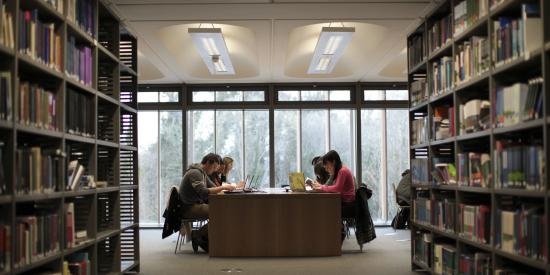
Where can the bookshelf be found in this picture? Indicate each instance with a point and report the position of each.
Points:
(68, 94)
(474, 121)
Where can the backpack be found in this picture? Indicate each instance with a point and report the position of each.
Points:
(401, 219)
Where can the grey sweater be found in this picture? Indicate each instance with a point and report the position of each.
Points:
(193, 186)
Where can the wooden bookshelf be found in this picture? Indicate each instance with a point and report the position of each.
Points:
(522, 68)
(110, 214)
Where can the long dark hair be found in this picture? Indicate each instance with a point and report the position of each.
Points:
(333, 156)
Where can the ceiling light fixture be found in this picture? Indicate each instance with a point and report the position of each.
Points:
(212, 49)
(329, 48)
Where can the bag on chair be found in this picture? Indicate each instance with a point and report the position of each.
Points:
(401, 219)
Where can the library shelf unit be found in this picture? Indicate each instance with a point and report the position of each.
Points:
(84, 109)
(533, 132)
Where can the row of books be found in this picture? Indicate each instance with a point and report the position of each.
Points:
(437, 213)
(39, 170)
(7, 37)
(474, 116)
(79, 116)
(522, 232)
(440, 33)
(419, 171)
(444, 173)
(518, 102)
(37, 106)
(419, 131)
(443, 122)
(36, 237)
(5, 247)
(442, 76)
(6, 96)
(474, 222)
(39, 39)
(79, 62)
(471, 59)
(474, 169)
(419, 91)
(82, 13)
(519, 166)
(478, 263)
(514, 36)
(417, 50)
(445, 259)
(466, 14)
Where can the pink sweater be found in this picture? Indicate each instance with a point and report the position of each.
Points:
(343, 185)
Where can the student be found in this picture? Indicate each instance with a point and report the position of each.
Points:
(227, 164)
(343, 184)
(321, 174)
(194, 192)
(216, 178)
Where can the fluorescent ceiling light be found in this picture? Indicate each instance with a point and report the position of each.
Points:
(212, 49)
(329, 48)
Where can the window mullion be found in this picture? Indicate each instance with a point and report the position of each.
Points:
(385, 167)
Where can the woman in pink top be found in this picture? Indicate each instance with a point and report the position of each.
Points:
(343, 183)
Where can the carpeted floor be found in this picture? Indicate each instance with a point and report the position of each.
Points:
(388, 254)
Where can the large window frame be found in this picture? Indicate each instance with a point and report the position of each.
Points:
(356, 103)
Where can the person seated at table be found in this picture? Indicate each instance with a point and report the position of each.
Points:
(343, 184)
(227, 164)
(216, 178)
(321, 174)
(194, 192)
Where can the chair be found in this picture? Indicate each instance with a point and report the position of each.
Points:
(401, 204)
(195, 223)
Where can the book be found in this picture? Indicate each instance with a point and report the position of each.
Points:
(445, 259)
(70, 235)
(37, 106)
(74, 176)
(418, 90)
(466, 14)
(442, 75)
(419, 171)
(478, 263)
(474, 116)
(6, 95)
(3, 181)
(423, 247)
(39, 170)
(437, 213)
(7, 37)
(419, 130)
(5, 247)
(442, 122)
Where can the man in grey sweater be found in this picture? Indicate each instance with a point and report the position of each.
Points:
(194, 190)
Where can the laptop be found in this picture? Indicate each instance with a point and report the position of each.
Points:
(240, 190)
(297, 182)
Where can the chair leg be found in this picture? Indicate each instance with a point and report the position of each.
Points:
(177, 243)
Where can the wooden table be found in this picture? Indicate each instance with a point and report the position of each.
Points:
(274, 223)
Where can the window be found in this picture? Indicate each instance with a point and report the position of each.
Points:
(380, 95)
(313, 95)
(241, 134)
(228, 96)
(160, 160)
(158, 96)
(148, 153)
(384, 154)
(308, 130)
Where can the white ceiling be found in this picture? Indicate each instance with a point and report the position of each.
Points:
(270, 41)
